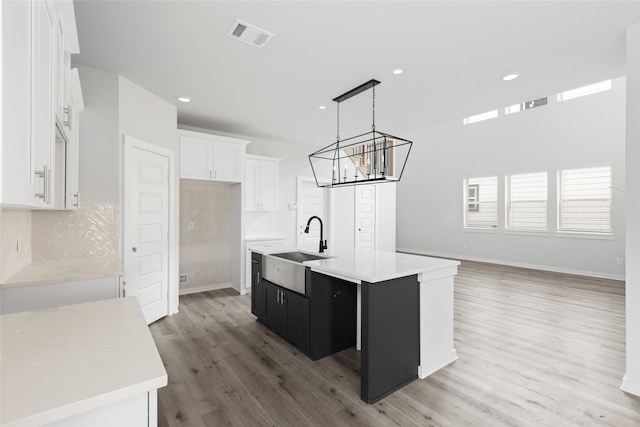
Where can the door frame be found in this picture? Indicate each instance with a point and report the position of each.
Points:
(129, 142)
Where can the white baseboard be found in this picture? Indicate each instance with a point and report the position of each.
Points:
(630, 386)
(514, 264)
(187, 291)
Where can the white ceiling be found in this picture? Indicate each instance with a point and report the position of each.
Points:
(454, 55)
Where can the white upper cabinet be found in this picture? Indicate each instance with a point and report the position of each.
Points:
(76, 106)
(211, 157)
(227, 161)
(261, 182)
(16, 174)
(195, 158)
(42, 101)
(38, 39)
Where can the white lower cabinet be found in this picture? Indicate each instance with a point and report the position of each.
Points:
(36, 297)
(137, 411)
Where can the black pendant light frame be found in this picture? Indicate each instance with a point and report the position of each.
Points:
(371, 155)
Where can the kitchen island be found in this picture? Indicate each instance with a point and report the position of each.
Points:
(404, 314)
(91, 364)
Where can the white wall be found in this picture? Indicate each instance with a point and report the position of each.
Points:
(114, 106)
(146, 116)
(99, 150)
(580, 132)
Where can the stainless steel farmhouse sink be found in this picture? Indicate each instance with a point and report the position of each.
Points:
(285, 269)
(299, 256)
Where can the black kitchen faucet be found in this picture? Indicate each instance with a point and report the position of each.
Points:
(323, 245)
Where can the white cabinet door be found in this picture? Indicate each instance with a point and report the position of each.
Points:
(268, 178)
(227, 165)
(251, 183)
(76, 106)
(195, 158)
(16, 175)
(261, 183)
(42, 117)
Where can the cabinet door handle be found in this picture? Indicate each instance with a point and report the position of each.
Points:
(259, 277)
(282, 299)
(69, 112)
(45, 174)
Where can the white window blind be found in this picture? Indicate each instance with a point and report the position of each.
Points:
(526, 197)
(585, 200)
(481, 204)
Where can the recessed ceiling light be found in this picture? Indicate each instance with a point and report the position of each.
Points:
(398, 71)
(322, 107)
(184, 99)
(510, 76)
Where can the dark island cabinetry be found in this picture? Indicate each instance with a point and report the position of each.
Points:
(257, 303)
(319, 323)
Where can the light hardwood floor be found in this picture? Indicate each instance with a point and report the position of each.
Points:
(534, 349)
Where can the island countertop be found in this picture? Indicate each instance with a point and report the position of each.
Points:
(62, 361)
(377, 267)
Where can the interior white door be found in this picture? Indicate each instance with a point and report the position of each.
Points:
(365, 209)
(146, 226)
(312, 200)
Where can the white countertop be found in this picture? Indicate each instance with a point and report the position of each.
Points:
(378, 267)
(62, 361)
(66, 270)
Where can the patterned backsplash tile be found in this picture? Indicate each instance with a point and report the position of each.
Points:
(15, 241)
(90, 232)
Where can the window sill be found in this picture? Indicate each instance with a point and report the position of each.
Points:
(538, 233)
(577, 235)
(481, 230)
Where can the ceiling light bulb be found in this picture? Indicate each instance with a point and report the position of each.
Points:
(398, 71)
(184, 99)
(511, 76)
(322, 107)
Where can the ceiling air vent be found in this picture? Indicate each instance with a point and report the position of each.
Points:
(249, 34)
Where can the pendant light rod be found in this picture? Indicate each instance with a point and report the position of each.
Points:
(353, 92)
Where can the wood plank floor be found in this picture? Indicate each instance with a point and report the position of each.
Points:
(534, 349)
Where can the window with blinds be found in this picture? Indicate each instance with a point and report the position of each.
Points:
(526, 199)
(584, 199)
(481, 204)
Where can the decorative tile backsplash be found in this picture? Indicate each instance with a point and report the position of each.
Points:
(205, 233)
(90, 232)
(15, 241)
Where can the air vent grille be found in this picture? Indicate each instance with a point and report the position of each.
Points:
(249, 34)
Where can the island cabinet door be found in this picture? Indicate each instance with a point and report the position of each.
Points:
(333, 314)
(275, 314)
(297, 326)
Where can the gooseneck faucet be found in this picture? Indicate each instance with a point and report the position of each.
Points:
(323, 245)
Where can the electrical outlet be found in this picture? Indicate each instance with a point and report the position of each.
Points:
(191, 226)
(464, 246)
(619, 261)
(184, 278)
